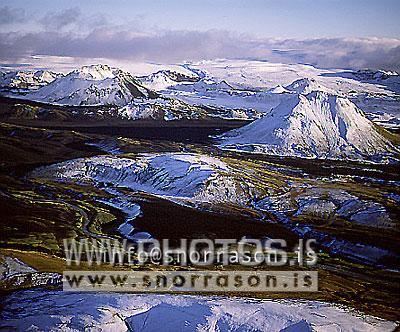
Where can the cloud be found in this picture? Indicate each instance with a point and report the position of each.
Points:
(377, 53)
(11, 15)
(123, 43)
(58, 20)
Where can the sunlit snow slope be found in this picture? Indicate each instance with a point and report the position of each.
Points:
(313, 125)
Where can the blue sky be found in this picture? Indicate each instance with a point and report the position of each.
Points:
(263, 18)
(325, 33)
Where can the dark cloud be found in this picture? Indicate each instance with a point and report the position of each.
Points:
(59, 20)
(11, 15)
(176, 46)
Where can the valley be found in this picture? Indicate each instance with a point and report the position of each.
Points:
(41, 202)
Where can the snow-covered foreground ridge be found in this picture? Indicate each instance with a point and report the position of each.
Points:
(313, 124)
(183, 177)
(92, 85)
(57, 311)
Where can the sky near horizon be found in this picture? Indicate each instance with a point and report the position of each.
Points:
(261, 18)
(326, 33)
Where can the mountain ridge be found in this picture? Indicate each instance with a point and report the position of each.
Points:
(91, 86)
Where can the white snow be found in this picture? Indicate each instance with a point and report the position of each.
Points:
(376, 93)
(252, 74)
(57, 311)
(307, 85)
(242, 85)
(315, 125)
(159, 109)
(239, 89)
(91, 85)
(183, 177)
(200, 181)
(279, 89)
(167, 78)
(26, 80)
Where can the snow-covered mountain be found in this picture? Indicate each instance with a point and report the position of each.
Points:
(278, 90)
(220, 94)
(92, 85)
(195, 86)
(313, 125)
(389, 79)
(306, 85)
(377, 75)
(171, 109)
(160, 109)
(26, 80)
(168, 78)
(209, 92)
(372, 91)
(264, 75)
(229, 89)
(204, 85)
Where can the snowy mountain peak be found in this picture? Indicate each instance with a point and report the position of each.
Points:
(96, 72)
(316, 125)
(92, 85)
(167, 78)
(279, 89)
(305, 86)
